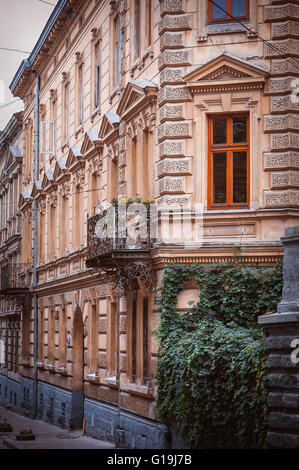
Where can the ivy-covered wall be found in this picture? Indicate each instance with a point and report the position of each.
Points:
(212, 370)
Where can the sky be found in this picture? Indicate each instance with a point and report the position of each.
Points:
(21, 23)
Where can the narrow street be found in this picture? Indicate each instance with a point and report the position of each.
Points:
(47, 435)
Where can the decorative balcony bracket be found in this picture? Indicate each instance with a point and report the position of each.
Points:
(119, 243)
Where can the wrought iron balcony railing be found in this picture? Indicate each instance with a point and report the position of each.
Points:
(123, 231)
(12, 279)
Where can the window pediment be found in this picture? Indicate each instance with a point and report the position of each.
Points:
(90, 141)
(109, 127)
(74, 156)
(60, 168)
(226, 72)
(136, 95)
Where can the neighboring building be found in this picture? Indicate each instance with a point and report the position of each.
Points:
(12, 289)
(171, 100)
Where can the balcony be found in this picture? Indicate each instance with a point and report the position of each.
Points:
(13, 281)
(119, 241)
(122, 233)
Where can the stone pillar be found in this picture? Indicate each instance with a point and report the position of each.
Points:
(282, 330)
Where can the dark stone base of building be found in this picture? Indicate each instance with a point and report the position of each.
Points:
(282, 331)
(102, 421)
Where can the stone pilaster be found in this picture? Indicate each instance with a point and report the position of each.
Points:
(283, 87)
(174, 129)
(282, 330)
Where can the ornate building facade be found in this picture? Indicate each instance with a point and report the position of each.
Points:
(12, 290)
(178, 102)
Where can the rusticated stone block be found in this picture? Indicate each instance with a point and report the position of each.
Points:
(174, 166)
(283, 440)
(123, 324)
(286, 198)
(175, 202)
(284, 66)
(178, 57)
(172, 6)
(287, 28)
(290, 401)
(284, 103)
(284, 421)
(288, 141)
(280, 342)
(171, 75)
(102, 325)
(281, 12)
(171, 111)
(175, 23)
(122, 159)
(171, 40)
(175, 130)
(172, 185)
(102, 360)
(285, 122)
(285, 179)
(289, 381)
(274, 399)
(280, 86)
(281, 160)
(123, 363)
(280, 361)
(285, 47)
(173, 148)
(173, 94)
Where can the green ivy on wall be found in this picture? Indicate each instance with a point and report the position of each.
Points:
(211, 372)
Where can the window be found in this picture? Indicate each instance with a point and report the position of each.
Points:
(81, 95)
(148, 24)
(116, 52)
(139, 338)
(137, 28)
(228, 161)
(53, 117)
(222, 11)
(97, 76)
(66, 113)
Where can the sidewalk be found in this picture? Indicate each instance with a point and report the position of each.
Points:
(47, 436)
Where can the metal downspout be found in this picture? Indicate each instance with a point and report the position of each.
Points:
(35, 309)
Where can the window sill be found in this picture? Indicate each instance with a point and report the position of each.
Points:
(62, 370)
(226, 28)
(95, 112)
(79, 129)
(112, 381)
(66, 145)
(138, 389)
(115, 92)
(92, 377)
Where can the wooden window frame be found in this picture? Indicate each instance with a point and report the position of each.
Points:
(228, 8)
(227, 148)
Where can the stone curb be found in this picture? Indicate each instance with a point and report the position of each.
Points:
(12, 444)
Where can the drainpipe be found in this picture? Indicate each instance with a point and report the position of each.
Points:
(35, 310)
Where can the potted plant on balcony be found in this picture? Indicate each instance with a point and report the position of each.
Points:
(25, 435)
(5, 427)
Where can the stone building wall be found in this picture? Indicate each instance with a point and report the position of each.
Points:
(159, 111)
